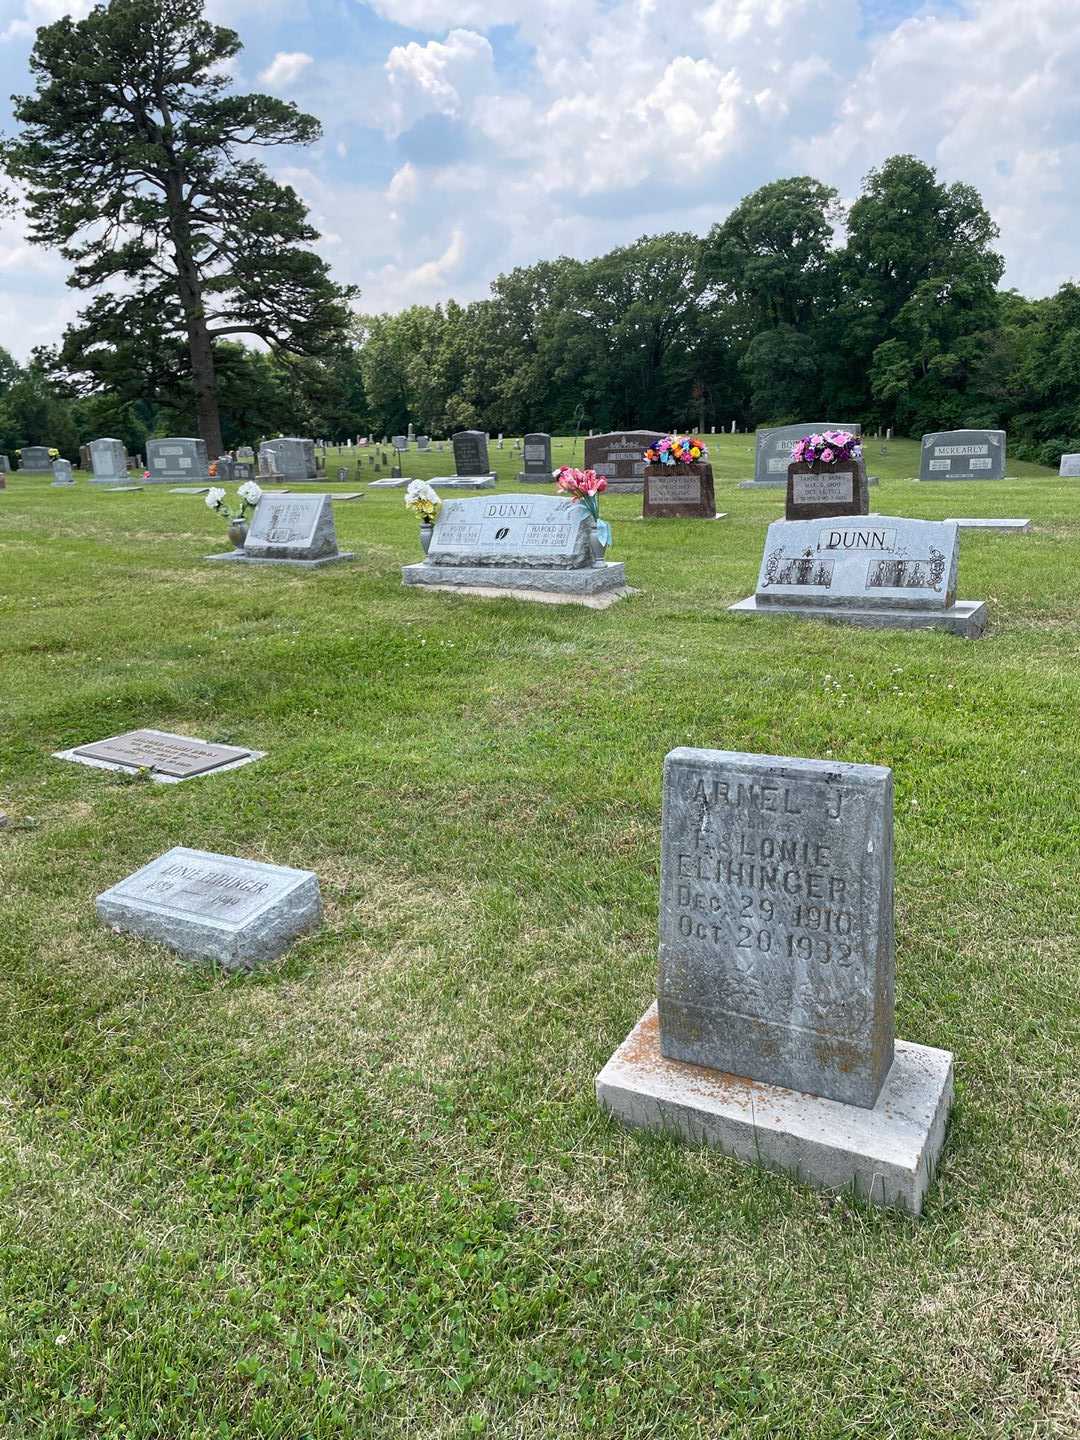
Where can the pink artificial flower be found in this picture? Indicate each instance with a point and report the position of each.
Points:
(828, 456)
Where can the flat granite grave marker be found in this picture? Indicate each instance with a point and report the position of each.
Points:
(620, 458)
(296, 530)
(963, 455)
(679, 492)
(528, 547)
(34, 460)
(169, 758)
(886, 572)
(537, 460)
(1017, 524)
(236, 913)
(773, 1033)
(176, 458)
(1070, 466)
(772, 450)
(108, 461)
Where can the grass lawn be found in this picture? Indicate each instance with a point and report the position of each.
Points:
(369, 1193)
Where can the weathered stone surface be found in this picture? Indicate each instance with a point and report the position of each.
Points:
(471, 453)
(5, 465)
(62, 473)
(423, 442)
(963, 455)
(1070, 465)
(776, 938)
(289, 456)
(887, 1154)
(772, 448)
(292, 527)
(400, 442)
(679, 492)
(169, 758)
(814, 491)
(600, 579)
(536, 459)
(108, 460)
(970, 523)
(34, 460)
(176, 458)
(967, 618)
(462, 482)
(237, 913)
(524, 531)
(620, 458)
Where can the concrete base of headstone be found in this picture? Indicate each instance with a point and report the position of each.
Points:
(886, 1155)
(464, 482)
(720, 515)
(62, 484)
(977, 524)
(967, 618)
(962, 479)
(237, 557)
(524, 479)
(596, 586)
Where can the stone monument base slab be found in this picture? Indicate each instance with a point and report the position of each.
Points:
(466, 482)
(967, 618)
(239, 558)
(970, 523)
(886, 1154)
(596, 586)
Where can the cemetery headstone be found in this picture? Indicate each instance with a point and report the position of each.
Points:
(963, 455)
(814, 491)
(533, 547)
(1070, 465)
(108, 461)
(401, 442)
(225, 468)
(293, 458)
(84, 457)
(1003, 523)
(5, 465)
(237, 913)
(62, 475)
(176, 458)
(772, 449)
(620, 458)
(471, 453)
(293, 530)
(169, 759)
(34, 460)
(773, 1035)
(423, 442)
(882, 572)
(676, 492)
(537, 460)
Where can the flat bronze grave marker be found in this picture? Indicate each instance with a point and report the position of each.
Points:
(169, 758)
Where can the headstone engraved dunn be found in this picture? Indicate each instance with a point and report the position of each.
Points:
(296, 530)
(679, 492)
(536, 458)
(963, 455)
(236, 913)
(34, 460)
(168, 758)
(772, 449)
(1070, 465)
(538, 547)
(773, 1031)
(620, 458)
(884, 572)
(176, 458)
(108, 460)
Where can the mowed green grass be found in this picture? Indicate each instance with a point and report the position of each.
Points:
(369, 1193)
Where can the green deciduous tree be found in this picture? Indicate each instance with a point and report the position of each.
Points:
(136, 161)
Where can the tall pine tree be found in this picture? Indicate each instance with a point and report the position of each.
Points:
(136, 162)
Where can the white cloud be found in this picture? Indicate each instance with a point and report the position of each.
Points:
(440, 78)
(286, 67)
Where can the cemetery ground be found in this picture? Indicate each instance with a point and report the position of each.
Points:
(369, 1191)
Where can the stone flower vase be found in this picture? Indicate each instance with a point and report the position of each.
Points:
(596, 545)
(237, 533)
(427, 530)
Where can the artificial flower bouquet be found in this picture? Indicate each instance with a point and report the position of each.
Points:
(249, 494)
(586, 487)
(829, 448)
(677, 450)
(423, 500)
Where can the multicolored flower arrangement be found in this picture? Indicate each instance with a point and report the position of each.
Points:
(829, 447)
(423, 500)
(586, 487)
(249, 494)
(677, 450)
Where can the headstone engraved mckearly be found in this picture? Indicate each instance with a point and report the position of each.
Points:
(773, 1034)
(530, 546)
(885, 572)
(237, 913)
(963, 455)
(168, 758)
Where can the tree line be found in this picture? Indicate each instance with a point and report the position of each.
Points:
(214, 315)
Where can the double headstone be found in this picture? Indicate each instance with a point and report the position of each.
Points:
(884, 572)
(620, 458)
(541, 547)
(772, 449)
(963, 455)
(675, 492)
(293, 530)
(108, 461)
(773, 1034)
(176, 458)
(537, 460)
(34, 460)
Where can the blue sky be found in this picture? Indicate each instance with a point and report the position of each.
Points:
(464, 137)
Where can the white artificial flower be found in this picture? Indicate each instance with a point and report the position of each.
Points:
(214, 497)
(421, 490)
(250, 492)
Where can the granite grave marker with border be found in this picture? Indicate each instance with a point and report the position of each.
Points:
(34, 460)
(169, 759)
(772, 450)
(963, 455)
(619, 456)
(536, 459)
(108, 461)
(175, 459)
(294, 530)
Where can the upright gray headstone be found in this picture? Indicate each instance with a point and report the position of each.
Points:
(1070, 465)
(963, 455)
(176, 458)
(772, 448)
(108, 460)
(34, 460)
(5, 465)
(471, 453)
(295, 530)
(537, 460)
(401, 442)
(236, 913)
(423, 442)
(620, 458)
(62, 475)
(295, 458)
